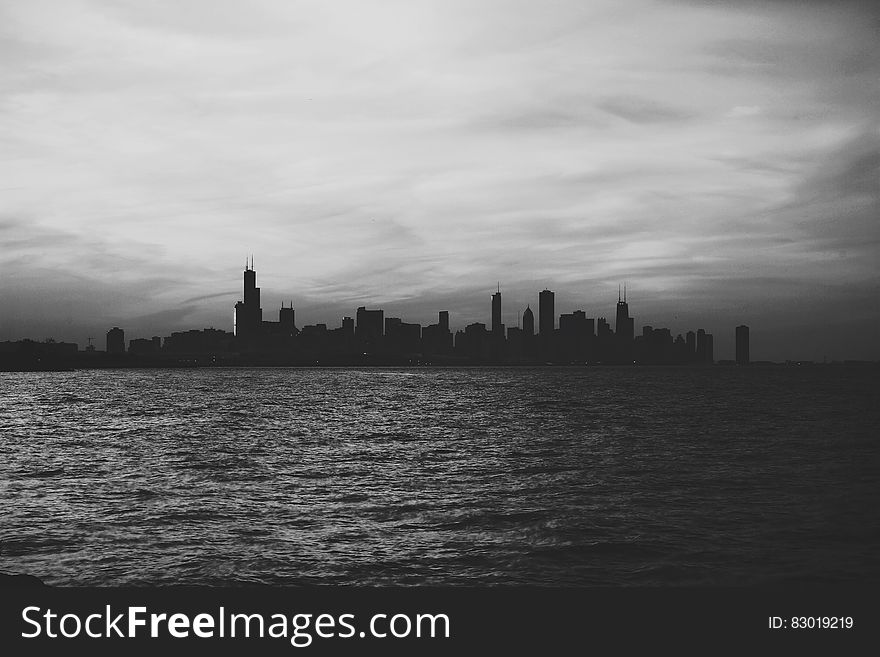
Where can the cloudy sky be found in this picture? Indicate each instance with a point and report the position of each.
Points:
(722, 159)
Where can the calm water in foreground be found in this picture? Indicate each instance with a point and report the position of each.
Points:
(554, 476)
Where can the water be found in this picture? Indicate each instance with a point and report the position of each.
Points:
(551, 476)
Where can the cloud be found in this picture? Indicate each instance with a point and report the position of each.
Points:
(642, 110)
(741, 111)
(413, 154)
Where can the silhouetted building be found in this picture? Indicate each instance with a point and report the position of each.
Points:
(195, 342)
(623, 327)
(116, 341)
(24, 355)
(369, 328)
(575, 335)
(402, 338)
(436, 338)
(248, 313)
(546, 313)
(287, 320)
(145, 347)
(742, 345)
(705, 347)
(546, 326)
(604, 351)
(313, 330)
(528, 323)
(473, 342)
(497, 326)
(679, 350)
(691, 346)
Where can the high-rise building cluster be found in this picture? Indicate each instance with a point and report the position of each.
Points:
(372, 338)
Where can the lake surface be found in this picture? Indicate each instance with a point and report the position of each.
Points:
(436, 476)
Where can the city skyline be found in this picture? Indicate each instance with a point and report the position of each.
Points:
(252, 322)
(722, 159)
(372, 338)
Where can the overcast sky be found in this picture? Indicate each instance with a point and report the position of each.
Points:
(722, 159)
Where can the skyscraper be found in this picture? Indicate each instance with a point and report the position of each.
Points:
(691, 346)
(701, 345)
(248, 314)
(497, 326)
(742, 345)
(528, 322)
(116, 341)
(546, 313)
(623, 326)
(705, 347)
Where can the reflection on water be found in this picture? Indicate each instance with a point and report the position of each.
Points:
(591, 476)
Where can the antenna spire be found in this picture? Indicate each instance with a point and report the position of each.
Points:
(624, 292)
(618, 293)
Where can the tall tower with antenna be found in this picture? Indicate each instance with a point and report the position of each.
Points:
(248, 314)
(497, 326)
(623, 328)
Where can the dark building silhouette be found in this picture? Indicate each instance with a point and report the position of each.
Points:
(287, 320)
(546, 313)
(742, 345)
(145, 347)
(497, 326)
(605, 343)
(26, 355)
(623, 327)
(546, 326)
(691, 346)
(655, 346)
(436, 338)
(195, 342)
(402, 338)
(473, 342)
(705, 347)
(575, 335)
(248, 313)
(115, 341)
(369, 328)
(701, 345)
(528, 323)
